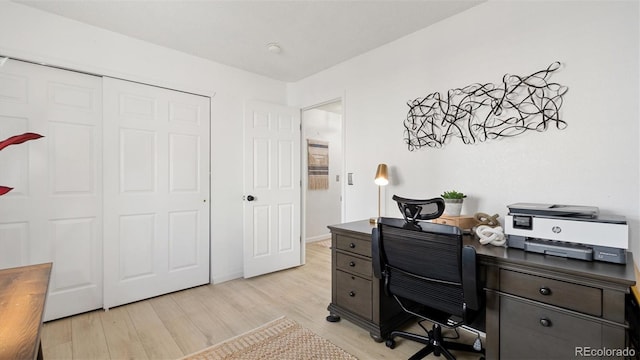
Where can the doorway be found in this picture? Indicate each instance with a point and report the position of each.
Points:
(323, 164)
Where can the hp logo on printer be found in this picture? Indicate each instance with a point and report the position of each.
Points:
(556, 229)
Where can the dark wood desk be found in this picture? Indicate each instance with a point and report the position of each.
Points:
(584, 301)
(23, 293)
(355, 293)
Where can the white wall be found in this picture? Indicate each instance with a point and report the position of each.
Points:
(595, 161)
(38, 36)
(322, 207)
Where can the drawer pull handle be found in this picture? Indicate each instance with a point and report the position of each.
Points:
(352, 245)
(545, 322)
(352, 294)
(545, 290)
(352, 264)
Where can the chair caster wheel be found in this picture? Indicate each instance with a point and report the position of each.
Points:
(390, 343)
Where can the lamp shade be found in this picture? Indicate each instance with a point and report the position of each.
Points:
(382, 176)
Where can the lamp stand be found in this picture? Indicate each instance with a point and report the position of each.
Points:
(375, 220)
(381, 179)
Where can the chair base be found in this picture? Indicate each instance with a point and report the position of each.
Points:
(436, 345)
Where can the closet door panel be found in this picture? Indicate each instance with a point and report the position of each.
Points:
(54, 213)
(72, 254)
(184, 163)
(138, 167)
(74, 115)
(14, 242)
(77, 142)
(156, 191)
(136, 244)
(183, 240)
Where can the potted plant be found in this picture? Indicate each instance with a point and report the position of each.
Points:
(453, 202)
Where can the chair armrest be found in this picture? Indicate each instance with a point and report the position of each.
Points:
(375, 253)
(470, 278)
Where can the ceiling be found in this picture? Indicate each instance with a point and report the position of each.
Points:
(312, 35)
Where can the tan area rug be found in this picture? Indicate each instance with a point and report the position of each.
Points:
(281, 339)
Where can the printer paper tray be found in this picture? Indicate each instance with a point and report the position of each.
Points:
(556, 248)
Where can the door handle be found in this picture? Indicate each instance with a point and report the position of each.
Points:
(251, 198)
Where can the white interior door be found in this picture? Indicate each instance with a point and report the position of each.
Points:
(54, 213)
(272, 188)
(156, 171)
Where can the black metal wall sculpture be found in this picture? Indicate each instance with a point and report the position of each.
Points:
(480, 112)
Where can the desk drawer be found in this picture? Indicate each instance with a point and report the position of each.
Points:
(354, 264)
(528, 331)
(358, 246)
(555, 292)
(354, 294)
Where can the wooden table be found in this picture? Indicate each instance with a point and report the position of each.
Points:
(23, 293)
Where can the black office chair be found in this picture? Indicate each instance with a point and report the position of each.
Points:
(431, 275)
(413, 210)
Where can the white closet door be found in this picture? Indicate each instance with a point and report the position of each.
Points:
(54, 213)
(156, 174)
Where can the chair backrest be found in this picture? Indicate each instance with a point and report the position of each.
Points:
(414, 209)
(423, 262)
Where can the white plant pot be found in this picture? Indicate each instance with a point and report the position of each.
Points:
(452, 207)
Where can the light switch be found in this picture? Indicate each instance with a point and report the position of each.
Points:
(350, 178)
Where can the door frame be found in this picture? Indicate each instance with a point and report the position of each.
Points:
(303, 169)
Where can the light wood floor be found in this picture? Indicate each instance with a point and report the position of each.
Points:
(177, 324)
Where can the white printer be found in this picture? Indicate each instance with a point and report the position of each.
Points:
(566, 230)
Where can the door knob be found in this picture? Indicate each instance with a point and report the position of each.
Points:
(251, 198)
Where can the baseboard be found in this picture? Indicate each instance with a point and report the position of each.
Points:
(227, 277)
(318, 238)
